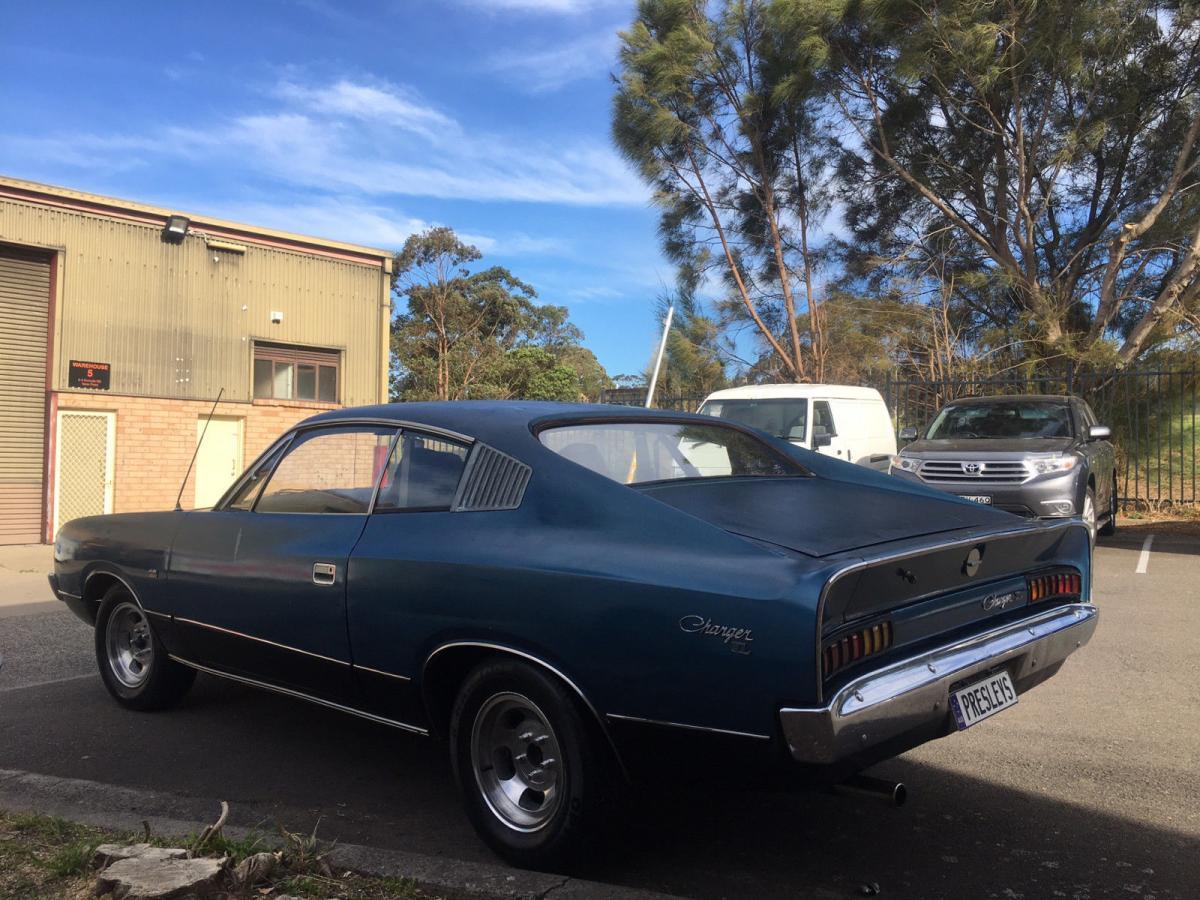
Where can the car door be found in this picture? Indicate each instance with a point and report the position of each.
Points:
(1102, 459)
(258, 587)
(409, 557)
(825, 437)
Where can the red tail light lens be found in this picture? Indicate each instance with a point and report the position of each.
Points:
(1055, 586)
(855, 646)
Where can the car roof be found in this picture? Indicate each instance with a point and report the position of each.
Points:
(796, 391)
(1013, 398)
(492, 420)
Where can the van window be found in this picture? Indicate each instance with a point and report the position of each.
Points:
(823, 419)
(785, 418)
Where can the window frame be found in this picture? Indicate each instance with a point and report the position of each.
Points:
(315, 432)
(469, 447)
(296, 356)
(284, 443)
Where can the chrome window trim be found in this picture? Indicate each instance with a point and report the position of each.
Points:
(868, 561)
(725, 731)
(403, 726)
(380, 672)
(250, 637)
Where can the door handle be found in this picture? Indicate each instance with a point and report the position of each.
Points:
(324, 573)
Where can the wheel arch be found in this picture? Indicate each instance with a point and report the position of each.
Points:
(448, 665)
(97, 583)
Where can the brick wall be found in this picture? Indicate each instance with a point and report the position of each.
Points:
(155, 440)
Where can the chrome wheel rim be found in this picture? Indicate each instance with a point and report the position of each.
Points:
(129, 646)
(1089, 516)
(517, 761)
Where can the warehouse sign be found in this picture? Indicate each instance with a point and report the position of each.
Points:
(91, 375)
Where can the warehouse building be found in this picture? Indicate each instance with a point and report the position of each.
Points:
(121, 323)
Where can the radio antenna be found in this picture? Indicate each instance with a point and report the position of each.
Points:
(196, 452)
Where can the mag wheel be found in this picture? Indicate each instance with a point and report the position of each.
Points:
(527, 764)
(1110, 527)
(133, 662)
(1089, 514)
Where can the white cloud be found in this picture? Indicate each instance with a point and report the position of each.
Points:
(553, 67)
(376, 139)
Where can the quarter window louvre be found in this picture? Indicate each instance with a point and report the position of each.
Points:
(295, 373)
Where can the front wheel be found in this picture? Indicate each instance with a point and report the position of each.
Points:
(1089, 514)
(527, 766)
(133, 662)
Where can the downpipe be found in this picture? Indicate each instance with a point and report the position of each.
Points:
(893, 793)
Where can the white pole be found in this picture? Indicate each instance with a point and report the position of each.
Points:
(662, 346)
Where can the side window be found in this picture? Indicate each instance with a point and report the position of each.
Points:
(823, 419)
(422, 473)
(333, 470)
(249, 491)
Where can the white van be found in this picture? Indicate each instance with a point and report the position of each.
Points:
(851, 423)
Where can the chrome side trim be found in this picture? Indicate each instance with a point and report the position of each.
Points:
(640, 720)
(380, 672)
(161, 615)
(914, 693)
(868, 561)
(403, 726)
(250, 637)
(62, 594)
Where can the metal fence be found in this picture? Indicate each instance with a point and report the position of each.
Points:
(1152, 413)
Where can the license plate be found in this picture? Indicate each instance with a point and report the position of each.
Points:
(978, 498)
(981, 699)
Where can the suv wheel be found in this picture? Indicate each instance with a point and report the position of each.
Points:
(133, 662)
(1110, 526)
(1089, 514)
(528, 769)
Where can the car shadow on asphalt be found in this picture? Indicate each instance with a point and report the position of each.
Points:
(280, 760)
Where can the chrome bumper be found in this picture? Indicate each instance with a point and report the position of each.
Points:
(914, 693)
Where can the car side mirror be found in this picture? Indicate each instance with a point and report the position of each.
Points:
(796, 435)
(1099, 433)
(822, 440)
(908, 434)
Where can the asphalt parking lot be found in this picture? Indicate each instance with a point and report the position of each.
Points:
(1088, 788)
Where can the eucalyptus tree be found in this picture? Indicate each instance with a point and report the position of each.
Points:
(1044, 153)
(710, 111)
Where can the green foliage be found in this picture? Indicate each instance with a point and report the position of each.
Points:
(463, 333)
(1029, 171)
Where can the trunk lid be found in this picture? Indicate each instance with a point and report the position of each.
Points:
(820, 516)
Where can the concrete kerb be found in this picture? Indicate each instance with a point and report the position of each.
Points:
(117, 808)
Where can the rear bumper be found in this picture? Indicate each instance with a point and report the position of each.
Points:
(911, 696)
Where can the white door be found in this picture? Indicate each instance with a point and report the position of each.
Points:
(219, 460)
(83, 465)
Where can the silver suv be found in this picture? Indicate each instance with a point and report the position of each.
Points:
(1036, 456)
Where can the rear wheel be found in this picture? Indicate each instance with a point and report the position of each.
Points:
(1110, 526)
(133, 662)
(527, 765)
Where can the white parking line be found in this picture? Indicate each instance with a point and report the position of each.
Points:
(1144, 557)
(37, 684)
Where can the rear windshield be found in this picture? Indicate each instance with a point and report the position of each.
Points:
(1020, 419)
(640, 452)
(784, 418)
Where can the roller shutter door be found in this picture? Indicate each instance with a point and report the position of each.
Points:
(24, 306)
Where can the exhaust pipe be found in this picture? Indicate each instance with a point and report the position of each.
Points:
(894, 793)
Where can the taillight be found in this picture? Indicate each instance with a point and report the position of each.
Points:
(1055, 586)
(855, 646)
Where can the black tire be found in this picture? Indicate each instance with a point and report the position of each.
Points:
(1110, 527)
(133, 662)
(582, 770)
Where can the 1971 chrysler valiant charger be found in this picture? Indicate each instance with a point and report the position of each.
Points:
(577, 597)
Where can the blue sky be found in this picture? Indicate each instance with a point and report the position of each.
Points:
(357, 121)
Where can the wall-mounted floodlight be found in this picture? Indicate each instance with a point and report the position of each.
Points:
(176, 230)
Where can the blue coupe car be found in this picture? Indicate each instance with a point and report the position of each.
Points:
(579, 597)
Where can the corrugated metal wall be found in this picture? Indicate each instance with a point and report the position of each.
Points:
(24, 306)
(177, 320)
